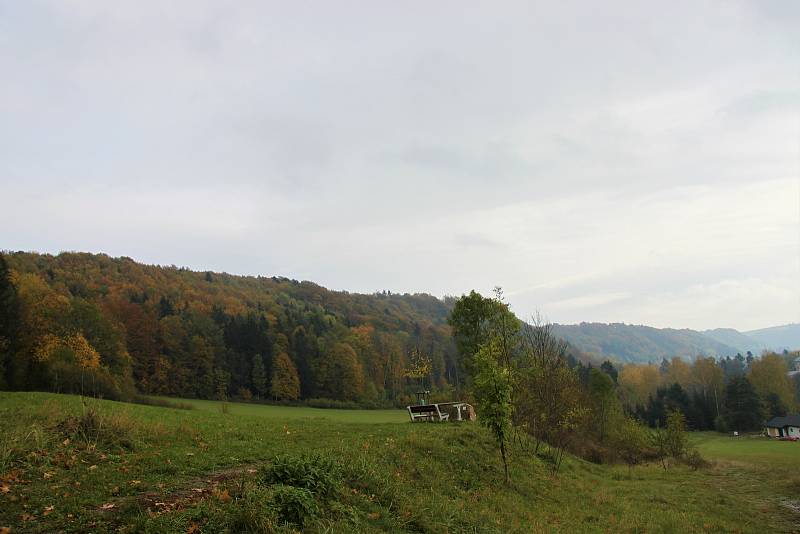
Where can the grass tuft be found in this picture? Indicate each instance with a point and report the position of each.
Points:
(96, 429)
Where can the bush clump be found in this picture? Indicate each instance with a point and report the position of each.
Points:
(96, 429)
(163, 403)
(695, 460)
(316, 473)
(294, 505)
(301, 486)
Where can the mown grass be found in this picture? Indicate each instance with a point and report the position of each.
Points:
(170, 470)
(753, 450)
(291, 412)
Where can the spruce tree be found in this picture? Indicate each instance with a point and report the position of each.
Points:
(743, 410)
(8, 318)
(259, 376)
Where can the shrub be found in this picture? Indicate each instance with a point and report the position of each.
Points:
(293, 504)
(251, 513)
(677, 443)
(316, 473)
(629, 442)
(658, 440)
(163, 403)
(695, 460)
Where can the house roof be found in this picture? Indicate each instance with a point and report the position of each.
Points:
(780, 422)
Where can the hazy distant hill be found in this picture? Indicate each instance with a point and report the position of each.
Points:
(734, 338)
(778, 337)
(635, 343)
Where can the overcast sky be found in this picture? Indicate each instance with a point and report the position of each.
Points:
(602, 161)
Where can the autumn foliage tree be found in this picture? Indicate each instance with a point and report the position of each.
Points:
(341, 376)
(770, 378)
(285, 383)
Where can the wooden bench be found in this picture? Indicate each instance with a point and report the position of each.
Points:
(461, 411)
(427, 412)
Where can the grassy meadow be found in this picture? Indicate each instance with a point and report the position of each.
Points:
(96, 466)
(299, 412)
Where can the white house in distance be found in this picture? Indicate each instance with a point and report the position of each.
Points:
(788, 426)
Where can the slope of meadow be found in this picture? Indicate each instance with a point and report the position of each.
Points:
(77, 466)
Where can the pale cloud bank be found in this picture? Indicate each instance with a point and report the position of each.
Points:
(623, 161)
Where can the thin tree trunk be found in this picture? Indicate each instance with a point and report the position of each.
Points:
(505, 462)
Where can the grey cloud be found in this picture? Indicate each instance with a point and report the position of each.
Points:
(331, 139)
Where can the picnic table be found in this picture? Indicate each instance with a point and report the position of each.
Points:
(441, 411)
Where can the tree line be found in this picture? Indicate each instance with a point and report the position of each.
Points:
(93, 324)
(726, 394)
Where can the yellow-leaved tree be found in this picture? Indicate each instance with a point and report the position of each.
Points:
(73, 347)
(638, 383)
(285, 383)
(770, 378)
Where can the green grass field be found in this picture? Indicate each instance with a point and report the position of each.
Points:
(290, 413)
(151, 469)
(754, 452)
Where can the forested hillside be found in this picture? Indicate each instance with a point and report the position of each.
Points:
(635, 343)
(80, 321)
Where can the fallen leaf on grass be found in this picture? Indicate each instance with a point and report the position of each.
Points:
(11, 476)
(107, 506)
(27, 517)
(92, 467)
(47, 475)
(4, 488)
(224, 496)
(65, 442)
(48, 509)
(194, 528)
(5, 530)
(134, 482)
